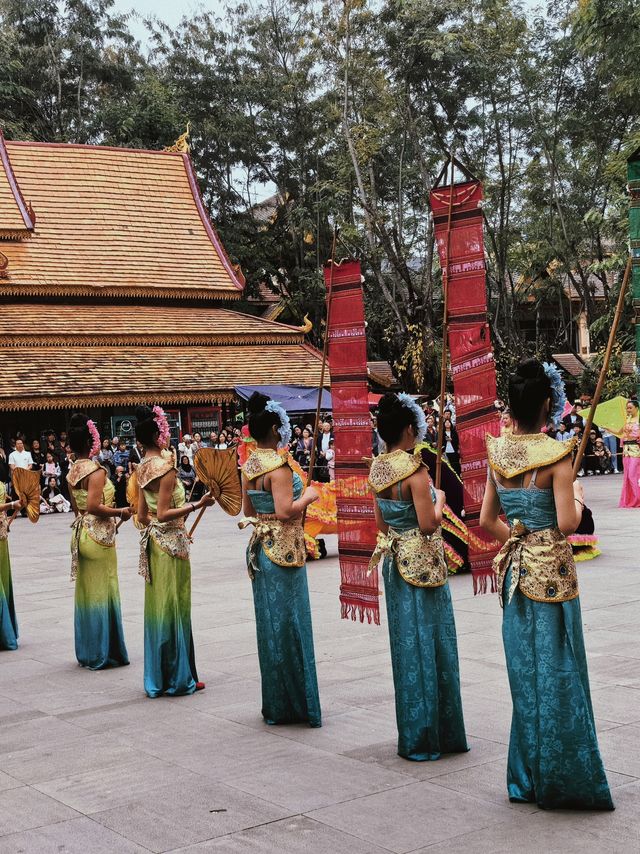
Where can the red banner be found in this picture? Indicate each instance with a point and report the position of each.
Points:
(461, 254)
(359, 596)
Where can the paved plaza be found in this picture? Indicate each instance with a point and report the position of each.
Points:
(89, 765)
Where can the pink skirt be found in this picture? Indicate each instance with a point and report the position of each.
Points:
(630, 496)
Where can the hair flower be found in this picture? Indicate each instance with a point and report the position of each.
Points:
(95, 438)
(160, 418)
(285, 425)
(558, 394)
(419, 418)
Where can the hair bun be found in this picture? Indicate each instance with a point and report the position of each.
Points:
(389, 403)
(257, 403)
(78, 421)
(530, 369)
(143, 413)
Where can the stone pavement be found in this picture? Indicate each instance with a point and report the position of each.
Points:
(89, 765)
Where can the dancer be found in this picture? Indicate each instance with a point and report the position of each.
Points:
(422, 631)
(99, 638)
(8, 621)
(169, 656)
(274, 500)
(553, 750)
(630, 496)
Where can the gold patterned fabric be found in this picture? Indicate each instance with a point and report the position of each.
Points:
(511, 455)
(283, 542)
(4, 522)
(151, 468)
(81, 469)
(101, 531)
(389, 469)
(542, 565)
(171, 537)
(419, 557)
(262, 461)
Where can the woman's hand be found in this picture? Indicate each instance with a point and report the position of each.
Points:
(125, 513)
(311, 494)
(207, 500)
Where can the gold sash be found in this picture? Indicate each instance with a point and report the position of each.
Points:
(171, 537)
(282, 542)
(419, 558)
(102, 531)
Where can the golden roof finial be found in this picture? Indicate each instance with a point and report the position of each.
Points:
(181, 144)
(307, 325)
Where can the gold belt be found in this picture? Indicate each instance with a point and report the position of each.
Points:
(282, 542)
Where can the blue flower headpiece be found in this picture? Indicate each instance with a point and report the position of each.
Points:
(419, 418)
(285, 425)
(558, 394)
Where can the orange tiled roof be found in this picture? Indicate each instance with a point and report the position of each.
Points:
(75, 376)
(16, 219)
(113, 222)
(61, 325)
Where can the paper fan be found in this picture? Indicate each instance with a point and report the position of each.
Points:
(26, 485)
(218, 470)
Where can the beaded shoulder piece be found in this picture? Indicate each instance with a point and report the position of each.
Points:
(262, 461)
(151, 468)
(511, 455)
(388, 469)
(81, 469)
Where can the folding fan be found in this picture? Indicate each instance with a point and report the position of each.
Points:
(218, 470)
(26, 485)
(133, 491)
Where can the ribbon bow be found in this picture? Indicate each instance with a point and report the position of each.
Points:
(262, 529)
(386, 544)
(76, 529)
(511, 553)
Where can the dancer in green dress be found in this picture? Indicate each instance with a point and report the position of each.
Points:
(8, 621)
(169, 656)
(422, 630)
(554, 759)
(99, 637)
(274, 500)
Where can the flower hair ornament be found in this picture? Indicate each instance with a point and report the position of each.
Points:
(285, 425)
(558, 394)
(420, 419)
(160, 418)
(95, 438)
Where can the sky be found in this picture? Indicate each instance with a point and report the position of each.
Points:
(169, 11)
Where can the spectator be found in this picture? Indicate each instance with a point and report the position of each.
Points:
(572, 419)
(4, 467)
(119, 481)
(222, 441)
(325, 436)
(121, 456)
(305, 444)
(37, 455)
(20, 459)
(63, 439)
(213, 439)
(611, 444)
(135, 457)
(375, 439)
(330, 454)
(431, 436)
(451, 443)
(563, 434)
(186, 447)
(591, 465)
(186, 473)
(197, 442)
(52, 500)
(54, 445)
(603, 457)
(51, 468)
(506, 422)
(105, 457)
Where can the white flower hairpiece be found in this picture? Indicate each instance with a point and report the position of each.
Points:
(558, 393)
(285, 425)
(420, 420)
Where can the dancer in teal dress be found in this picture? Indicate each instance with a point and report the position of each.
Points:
(169, 655)
(554, 759)
(8, 621)
(422, 631)
(274, 500)
(99, 636)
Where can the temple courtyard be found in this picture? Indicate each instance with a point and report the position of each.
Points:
(89, 765)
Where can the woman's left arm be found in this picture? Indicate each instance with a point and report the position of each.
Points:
(95, 486)
(166, 513)
(490, 519)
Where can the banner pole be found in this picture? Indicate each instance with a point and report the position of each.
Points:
(443, 361)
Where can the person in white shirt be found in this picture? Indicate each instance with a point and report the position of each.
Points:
(20, 459)
(185, 448)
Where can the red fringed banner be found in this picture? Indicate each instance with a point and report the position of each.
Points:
(352, 423)
(472, 363)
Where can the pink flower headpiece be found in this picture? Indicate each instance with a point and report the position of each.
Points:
(163, 426)
(95, 438)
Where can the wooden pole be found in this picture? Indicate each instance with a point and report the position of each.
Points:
(443, 361)
(604, 369)
(325, 352)
(197, 522)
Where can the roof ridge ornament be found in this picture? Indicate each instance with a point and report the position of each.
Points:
(182, 142)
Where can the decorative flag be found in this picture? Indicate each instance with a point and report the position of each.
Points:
(359, 596)
(471, 354)
(633, 179)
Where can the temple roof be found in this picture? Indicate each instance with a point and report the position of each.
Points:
(43, 377)
(16, 218)
(110, 222)
(24, 324)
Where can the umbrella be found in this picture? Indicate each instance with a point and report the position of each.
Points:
(611, 415)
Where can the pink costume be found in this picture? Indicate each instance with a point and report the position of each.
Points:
(630, 496)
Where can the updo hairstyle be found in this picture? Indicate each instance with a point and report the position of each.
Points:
(79, 437)
(147, 431)
(260, 419)
(529, 387)
(393, 417)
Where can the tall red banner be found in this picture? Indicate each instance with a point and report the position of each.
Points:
(359, 596)
(461, 253)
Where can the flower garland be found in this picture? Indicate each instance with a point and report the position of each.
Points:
(285, 425)
(558, 394)
(164, 430)
(419, 418)
(95, 439)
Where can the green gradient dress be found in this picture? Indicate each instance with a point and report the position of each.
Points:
(99, 636)
(169, 656)
(8, 621)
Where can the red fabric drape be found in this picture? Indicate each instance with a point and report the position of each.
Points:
(359, 596)
(471, 353)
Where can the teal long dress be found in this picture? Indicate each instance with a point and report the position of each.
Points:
(424, 655)
(284, 631)
(554, 759)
